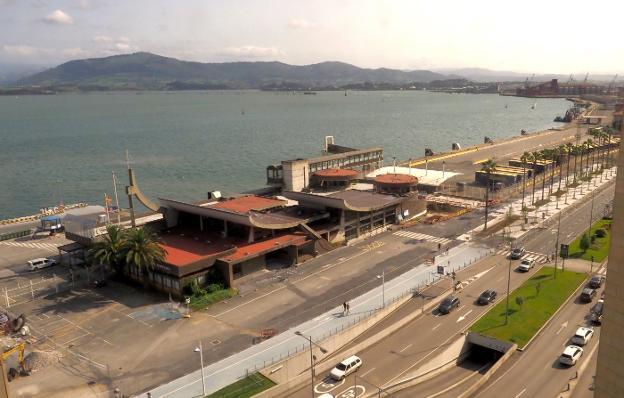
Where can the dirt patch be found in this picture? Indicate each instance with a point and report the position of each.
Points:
(38, 360)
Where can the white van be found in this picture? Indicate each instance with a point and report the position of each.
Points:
(39, 263)
(345, 368)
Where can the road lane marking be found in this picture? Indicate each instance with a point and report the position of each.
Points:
(500, 279)
(436, 326)
(404, 348)
(520, 393)
(461, 307)
(461, 318)
(563, 326)
(368, 371)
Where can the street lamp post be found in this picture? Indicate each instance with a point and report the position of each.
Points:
(201, 361)
(508, 285)
(312, 358)
(383, 287)
(557, 243)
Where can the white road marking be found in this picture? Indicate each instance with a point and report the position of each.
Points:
(436, 326)
(404, 348)
(563, 326)
(461, 318)
(368, 371)
(520, 393)
(500, 279)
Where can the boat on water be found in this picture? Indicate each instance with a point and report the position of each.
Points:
(309, 92)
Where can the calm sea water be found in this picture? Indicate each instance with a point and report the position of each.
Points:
(184, 144)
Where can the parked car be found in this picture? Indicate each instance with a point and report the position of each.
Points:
(487, 297)
(582, 336)
(39, 263)
(570, 355)
(526, 264)
(448, 304)
(587, 295)
(596, 313)
(346, 367)
(517, 253)
(596, 281)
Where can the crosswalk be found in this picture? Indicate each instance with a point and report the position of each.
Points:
(540, 258)
(32, 245)
(419, 236)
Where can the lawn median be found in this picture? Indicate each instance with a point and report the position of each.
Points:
(244, 388)
(598, 245)
(530, 306)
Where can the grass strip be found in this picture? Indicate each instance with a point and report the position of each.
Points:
(599, 249)
(244, 388)
(199, 302)
(541, 296)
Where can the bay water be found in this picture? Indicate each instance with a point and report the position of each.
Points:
(184, 144)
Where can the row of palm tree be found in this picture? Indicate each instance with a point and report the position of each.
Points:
(134, 247)
(563, 153)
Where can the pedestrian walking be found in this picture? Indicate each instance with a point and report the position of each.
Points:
(344, 308)
(348, 308)
(439, 246)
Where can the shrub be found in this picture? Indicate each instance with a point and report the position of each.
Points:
(585, 243)
(601, 233)
(213, 287)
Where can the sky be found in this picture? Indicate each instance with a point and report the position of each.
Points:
(546, 36)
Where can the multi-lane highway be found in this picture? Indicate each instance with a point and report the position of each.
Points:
(403, 352)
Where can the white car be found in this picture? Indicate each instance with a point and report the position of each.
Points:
(582, 336)
(570, 355)
(346, 367)
(39, 263)
(526, 264)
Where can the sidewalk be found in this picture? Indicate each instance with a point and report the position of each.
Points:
(228, 370)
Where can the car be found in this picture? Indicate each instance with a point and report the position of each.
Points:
(345, 368)
(582, 336)
(570, 355)
(487, 297)
(595, 316)
(596, 281)
(517, 253)
(448, 304)
(39, 263)
(526, 264)
(587, 295)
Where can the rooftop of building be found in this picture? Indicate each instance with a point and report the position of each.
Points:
(246, 204)
(425, 176)
(336, 173)
(396, 179)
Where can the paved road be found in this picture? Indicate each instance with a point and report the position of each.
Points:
(399, 354)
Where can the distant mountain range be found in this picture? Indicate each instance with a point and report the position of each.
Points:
(149, 71)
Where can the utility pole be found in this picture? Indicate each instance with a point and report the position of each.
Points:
(508, 286)
(557, 243)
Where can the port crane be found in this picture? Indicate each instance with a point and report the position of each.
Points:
(611, 84)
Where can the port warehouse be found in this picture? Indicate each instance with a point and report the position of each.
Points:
(314, 206)
(311, 206)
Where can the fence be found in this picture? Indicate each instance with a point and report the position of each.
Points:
(13, 235)
(31, 289)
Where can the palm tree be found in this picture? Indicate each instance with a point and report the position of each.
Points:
(525, 158)
(142, 250)
(535, 157)
(576, 150)
(562, 150)
(488, 167)
(590, 151)
(544, 155)
(569, 150)
(109, 252)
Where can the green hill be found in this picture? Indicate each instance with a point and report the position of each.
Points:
(149, 71)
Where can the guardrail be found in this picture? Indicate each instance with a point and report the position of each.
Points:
(13, 235)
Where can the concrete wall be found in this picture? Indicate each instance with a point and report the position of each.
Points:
(609, 380)
(296, 175)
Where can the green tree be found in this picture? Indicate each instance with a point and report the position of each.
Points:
(109, 252)
(489, 166)
(563, 151)
(585, 243)
(535, 157)
(525, 158)
(141, 249)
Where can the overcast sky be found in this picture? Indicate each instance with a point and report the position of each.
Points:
(545, 36)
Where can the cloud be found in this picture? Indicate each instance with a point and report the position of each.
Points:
(123, 39)
(21, 50)
(251, 52)
(58, 17)
(300, 23)
(6, 2)
(102, 39)
(73, 52)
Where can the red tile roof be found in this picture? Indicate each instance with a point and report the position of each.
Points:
(396, 179)
(245, 204)
(336, 173)
(253, 249)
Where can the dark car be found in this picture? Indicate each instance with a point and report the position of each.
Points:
(487, 297)
(448, 304)
(596, 313)
(517, 253)
(595, 282)
(587, 295)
